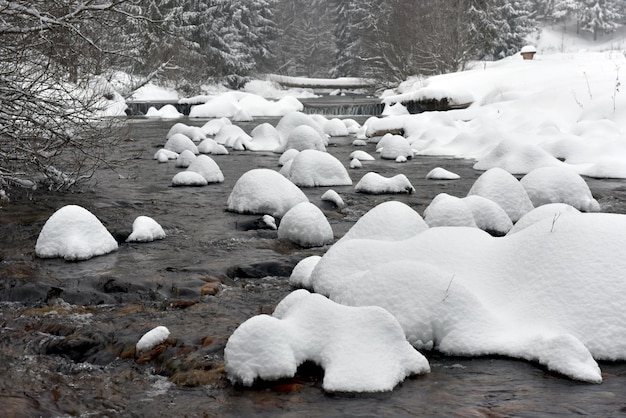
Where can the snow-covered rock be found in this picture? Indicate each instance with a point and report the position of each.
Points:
(207, 167)
(559, 185)
(152, 338)
(312, 168)
(189, 178)
(74, 233)
(335, 127)
(361, 349)
(185, 158)
(374, 183)
(213, 126)
(264, 191)
(393, 146)
(503, 188)
(439, 173)
(305, 137)
(361, 156)
(166, 112)
(179, 142)
(391, 220)
(145, 229)
(333, 196)
(550, 210)
(306, 225)
(550, 293)
(264, 137)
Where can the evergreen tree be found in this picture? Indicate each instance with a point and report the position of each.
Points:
(514, 24)
(306, 43)
(601, 16)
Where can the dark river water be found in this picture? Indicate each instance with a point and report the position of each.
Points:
(68, 329)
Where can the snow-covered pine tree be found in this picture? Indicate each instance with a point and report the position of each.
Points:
(514, 20)
(600, 17)
(306, 43)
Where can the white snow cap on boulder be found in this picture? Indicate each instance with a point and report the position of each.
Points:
(145, 229)
(374, 183)
(559, 185)
(503, 188)
(291, 121)
(361, 349)
(264, 191)
(207, 167)
(152, 338)
(305, 137)
(312, 168)
(306, 225)
(180, 142)
(74, 233)
(388, 221)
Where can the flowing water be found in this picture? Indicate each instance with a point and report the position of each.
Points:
(68, 329)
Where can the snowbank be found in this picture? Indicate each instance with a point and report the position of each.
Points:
(550, 293)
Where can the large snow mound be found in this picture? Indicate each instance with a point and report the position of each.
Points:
(74, 233)
(361, 349)
(550, 293)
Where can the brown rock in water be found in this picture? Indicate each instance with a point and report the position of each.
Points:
(210, 289)
(191, 378)
(183, 304)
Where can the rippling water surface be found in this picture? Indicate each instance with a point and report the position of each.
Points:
(67, 330)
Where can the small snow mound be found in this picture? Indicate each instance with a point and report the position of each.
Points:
(305, 137)
(446, 210)
(145, 229)
(180, 142)
(208, 168)
(312, 168)
(361, 155)
(333, 196)
(356, 163)
(301, 273)
(185, 158)
(335, 127)
(388, 221)
(550, 210)
(559, 185)
(152, 338)
(503, 188)
(306, 225)
(189, 178)
(213, 126)
(439, 173)
(374, 183)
